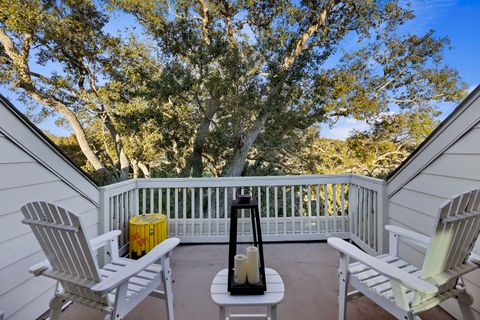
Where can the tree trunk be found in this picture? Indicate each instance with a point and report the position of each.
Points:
(144, 168)
(236, 164)
(20, 60)
(135, 168)
(120, 150)
(194, 166)
(77, 127)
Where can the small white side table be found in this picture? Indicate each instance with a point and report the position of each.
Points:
(272, 297)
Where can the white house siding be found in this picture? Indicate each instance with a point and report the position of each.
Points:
(31, 169)
(414, 199)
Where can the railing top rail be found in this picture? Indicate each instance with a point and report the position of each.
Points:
(374, 184)
(119, 187)
(242, 181)
(369, 179)
(253, 181)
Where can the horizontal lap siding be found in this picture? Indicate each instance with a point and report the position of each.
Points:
(415, 205)
(24, 179)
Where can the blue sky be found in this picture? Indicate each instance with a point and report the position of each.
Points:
(457, 19)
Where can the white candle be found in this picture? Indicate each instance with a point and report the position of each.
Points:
(240, 271)
(253, 272)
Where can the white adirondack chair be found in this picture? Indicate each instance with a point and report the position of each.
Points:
(401, 288)
(114, 289)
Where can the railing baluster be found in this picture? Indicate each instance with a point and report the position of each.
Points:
(292, 213)
(209, 208)
(351, 207)
(176, 210)
(317, 209)
(358, 223)
(184, 213)
(300, 208)
(168, 205)
(284, 189)
(369, 218)
(365, 214)
(144, 201)
(129, 213)
(375, 212)
(325, 207)
(225, 209)
(276, 209)
(267, 199)
(200, 206)
(309, 199)
(334, 207)
(192, 206)
(160, 200)
(342, 205)
(217, 209)
(111, 212)
(259, 193)
(152, 200)
(121, 218)
(136, 202)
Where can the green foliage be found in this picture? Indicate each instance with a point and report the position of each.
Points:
(229, 87)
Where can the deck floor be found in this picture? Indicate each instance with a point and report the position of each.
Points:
(308, 270)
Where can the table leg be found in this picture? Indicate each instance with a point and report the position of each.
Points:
(222, 313)
(273, 312)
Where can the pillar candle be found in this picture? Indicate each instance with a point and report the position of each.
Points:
(240, 271)
(253, 272)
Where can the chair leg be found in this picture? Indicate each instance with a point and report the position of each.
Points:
(167, 285)
(343, 286)
(56, 304)
(465, 301)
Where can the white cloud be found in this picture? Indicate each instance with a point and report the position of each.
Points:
(427, 11)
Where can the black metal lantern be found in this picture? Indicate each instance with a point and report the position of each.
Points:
(248, 203)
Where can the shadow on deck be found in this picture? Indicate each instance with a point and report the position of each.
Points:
(308, 271)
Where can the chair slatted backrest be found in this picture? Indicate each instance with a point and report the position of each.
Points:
(62, 238)
(457, 228)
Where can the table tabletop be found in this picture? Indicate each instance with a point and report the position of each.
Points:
(273, 295)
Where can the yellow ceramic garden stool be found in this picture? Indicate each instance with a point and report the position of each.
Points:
(146, 231)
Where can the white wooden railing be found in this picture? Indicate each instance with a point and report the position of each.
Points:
(293, 208)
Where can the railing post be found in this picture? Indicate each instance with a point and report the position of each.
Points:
(382, 202)
(136, 200)
(104, 222)
(352, 206)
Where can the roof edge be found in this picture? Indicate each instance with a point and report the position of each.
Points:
(451, 117)
(45, 138)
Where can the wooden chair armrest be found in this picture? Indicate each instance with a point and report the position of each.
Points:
(38, 268)
(132, 269)
(409, 236)
(384, 268)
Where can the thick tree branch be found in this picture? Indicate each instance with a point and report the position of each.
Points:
(225, 11)
(300, 42)
(205, 13)
(25, 82)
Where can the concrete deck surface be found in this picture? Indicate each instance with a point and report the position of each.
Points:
(308, 271)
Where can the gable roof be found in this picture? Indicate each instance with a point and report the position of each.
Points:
(45, 140)
(457, 124)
